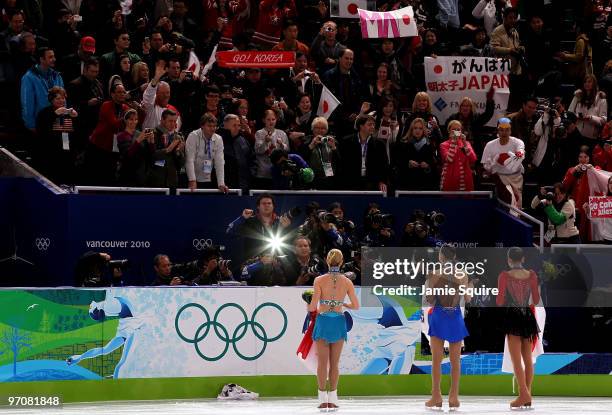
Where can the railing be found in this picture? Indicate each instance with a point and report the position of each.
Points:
(530, 218)
(320, 192)
(478, 193)
(108, 189)
(11, 165)
(580, 247)
(208, 192)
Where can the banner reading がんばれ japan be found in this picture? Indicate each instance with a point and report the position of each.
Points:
(450, 78)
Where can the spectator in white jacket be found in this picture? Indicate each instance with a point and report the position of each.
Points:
(591, 107)
(155, 99)
(267, 140)
(204, 155)
(491, 12)
(503, 159)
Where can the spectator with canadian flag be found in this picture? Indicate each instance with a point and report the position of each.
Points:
(503, 158)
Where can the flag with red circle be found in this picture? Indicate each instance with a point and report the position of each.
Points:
(348, 9)
(327, 104)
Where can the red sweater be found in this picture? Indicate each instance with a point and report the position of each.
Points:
(109, 124)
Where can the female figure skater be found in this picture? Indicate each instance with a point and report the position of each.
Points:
(329, 332)
(446, 323)
(518, 290)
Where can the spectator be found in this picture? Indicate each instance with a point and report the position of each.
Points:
(73, 65)
(491, 12)
(591, 107)
(548, 135)
(321, 152)
(247, 128)
(100, 160)
(181, 22)
(140, 80)
(472, 121)
(163, 272)
(539, 48)
(111, 61)
(523, 124)
(169, 152)
(561, 214)
(364, 158)
(301, 121)
(382, 87)
(55, 128)
(272, 16)
(325, 49)
(238, 154)
(155, 99)
(413, 160)
(387, 126)
(576, 184)
(479, 46)
(257, 229)
(503, 160)
(35, 85)
(506, 43)
(87, 96)
(457, 157)
(289, 171)
(266, 140)
(204, 155)
(421, 108)
(290, 42)
(134, 148)
(344, 82)
(579, 63)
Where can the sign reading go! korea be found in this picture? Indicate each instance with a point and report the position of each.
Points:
(256, 59)
(451, 78)
(600, 206)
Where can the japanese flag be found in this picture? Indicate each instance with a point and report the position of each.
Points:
(347, 9)
(193, 65)
(327, 104)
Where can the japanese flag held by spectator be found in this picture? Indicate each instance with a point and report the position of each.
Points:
(193, 65)
(347, 9)
(327, 104)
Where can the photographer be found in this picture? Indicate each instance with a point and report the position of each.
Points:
(96, 269)
(163, 272)
(561, 213)
(257, 229)
(423, 229)
(321, 151)
(320, 229)
(546, 131)
(212, 268)
(346, 230)
(304, 266)
(289, 171)
(377, 227)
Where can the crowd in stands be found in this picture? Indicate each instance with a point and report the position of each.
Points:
(115, 93)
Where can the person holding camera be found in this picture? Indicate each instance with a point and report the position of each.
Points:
(320, 229)
(168, 153)
(576, 181)
(561, 213)
(134, 146)
(204, 154)
(547, 133)
(163, 272)
(304, 266)
(257, 228)
(212, 268)
(502, 159)
(289, 171)
(377, 229)
(267, 140)
(96, 269)
(321, 152)
(591, 106)
(458, 157)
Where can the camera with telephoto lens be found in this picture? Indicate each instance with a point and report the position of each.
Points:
(121, 264)
(290, 166)
(422, 226)
(326, 217)
(377, 218)
(317, 268)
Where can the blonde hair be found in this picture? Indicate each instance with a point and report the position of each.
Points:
(469, 101)
(334, 258)
(418, 96)
(320, 120)
(408, 136)
(136, 71)
(453, 123)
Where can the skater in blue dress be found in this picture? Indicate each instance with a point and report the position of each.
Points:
(445, 324)
(330, 330)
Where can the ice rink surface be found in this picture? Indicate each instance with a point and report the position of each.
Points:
(363, 406)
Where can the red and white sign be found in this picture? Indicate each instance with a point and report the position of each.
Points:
(256, 59)
(396, 23)
(348, 9)
(327, 104)
(600, 207)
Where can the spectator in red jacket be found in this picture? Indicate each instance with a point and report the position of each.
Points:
(272, 16)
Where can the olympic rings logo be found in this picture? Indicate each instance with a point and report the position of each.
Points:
(42, 243)
(222, 333)
(563, 269)
(201, 244)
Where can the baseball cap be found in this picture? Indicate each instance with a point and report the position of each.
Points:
(88, 44)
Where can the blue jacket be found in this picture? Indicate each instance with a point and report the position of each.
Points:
(35, 87)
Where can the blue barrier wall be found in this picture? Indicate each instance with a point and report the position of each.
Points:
(54, 230)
